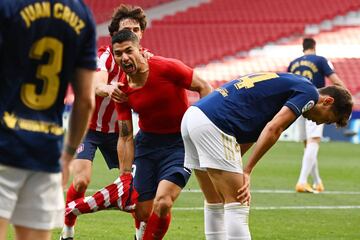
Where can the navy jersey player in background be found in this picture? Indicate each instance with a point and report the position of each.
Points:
(315, 68)
(222, 126)
(44, 45)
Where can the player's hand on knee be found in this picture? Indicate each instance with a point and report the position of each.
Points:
(244, 195)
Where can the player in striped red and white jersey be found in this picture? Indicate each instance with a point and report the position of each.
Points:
(104, 117)
(103, 128)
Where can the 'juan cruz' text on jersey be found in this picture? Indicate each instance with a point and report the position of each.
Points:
(312, 67)
(244, 106)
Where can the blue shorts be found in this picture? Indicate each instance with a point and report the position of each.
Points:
(107, 144)
(158, 157)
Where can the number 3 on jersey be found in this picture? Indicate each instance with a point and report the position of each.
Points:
(48, 73)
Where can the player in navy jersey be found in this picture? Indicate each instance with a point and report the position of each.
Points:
(44, 45)
(103, 128)
(315, 68)
(222, 126)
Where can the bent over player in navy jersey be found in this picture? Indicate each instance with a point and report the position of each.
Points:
(315, 68)
(44, 45)
(222, 126)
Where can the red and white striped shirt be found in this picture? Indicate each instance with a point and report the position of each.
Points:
(104, 118)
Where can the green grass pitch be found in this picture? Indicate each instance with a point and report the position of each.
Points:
(277, 212)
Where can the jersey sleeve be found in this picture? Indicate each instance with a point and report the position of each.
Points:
(104, 59)
(303, 99)
(327, 67)
(289, 67)
(180, 73)
(87, 56)
(123, 110)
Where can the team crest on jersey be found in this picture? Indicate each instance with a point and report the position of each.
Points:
(80, 148)
(308, 106)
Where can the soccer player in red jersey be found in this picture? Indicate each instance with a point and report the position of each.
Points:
(156, 89)
(103, 128)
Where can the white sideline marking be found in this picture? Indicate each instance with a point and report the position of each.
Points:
(277, 208)
(265, 191)
(282, 191)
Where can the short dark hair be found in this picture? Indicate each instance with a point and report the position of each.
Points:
(124, 35)
(343, 103)
(127, 11)
(308, 43)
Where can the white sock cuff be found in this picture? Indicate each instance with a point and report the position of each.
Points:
(236, 205)
(213, 206)
(68, 231)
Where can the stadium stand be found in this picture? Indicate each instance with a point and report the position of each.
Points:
(223, 27)
(220, 28)
(103, 9)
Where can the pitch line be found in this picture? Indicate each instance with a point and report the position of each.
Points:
(266, 191)
(279, 208)
(282, 191)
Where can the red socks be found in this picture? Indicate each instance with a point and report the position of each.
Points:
(72, 195)
(156, 227)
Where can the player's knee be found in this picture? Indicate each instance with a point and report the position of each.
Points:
(81, 183)
(163, 205)
(142, 216)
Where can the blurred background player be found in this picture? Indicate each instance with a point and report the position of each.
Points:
(103, 129)
(315, 68)
(157, 83)
(222, 126)
(40, 55)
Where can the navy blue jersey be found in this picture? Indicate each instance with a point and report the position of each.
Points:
(41, 45)
(312, 67)
(244, 106)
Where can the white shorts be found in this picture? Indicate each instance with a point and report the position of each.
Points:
(206, 146)
(308, 129)
(31, 199)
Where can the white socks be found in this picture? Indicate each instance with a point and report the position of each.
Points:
(237, 221)
(139, 232)
(68, 232)
(214, 221)
(315, 173)
(308, 162)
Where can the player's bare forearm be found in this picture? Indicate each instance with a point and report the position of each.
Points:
(83, 107)
(267, 139)
(205, 91)
(125, 146)
(101, 88)
(335, 79)
(269, 135)
(201, 86)
(245, 147)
